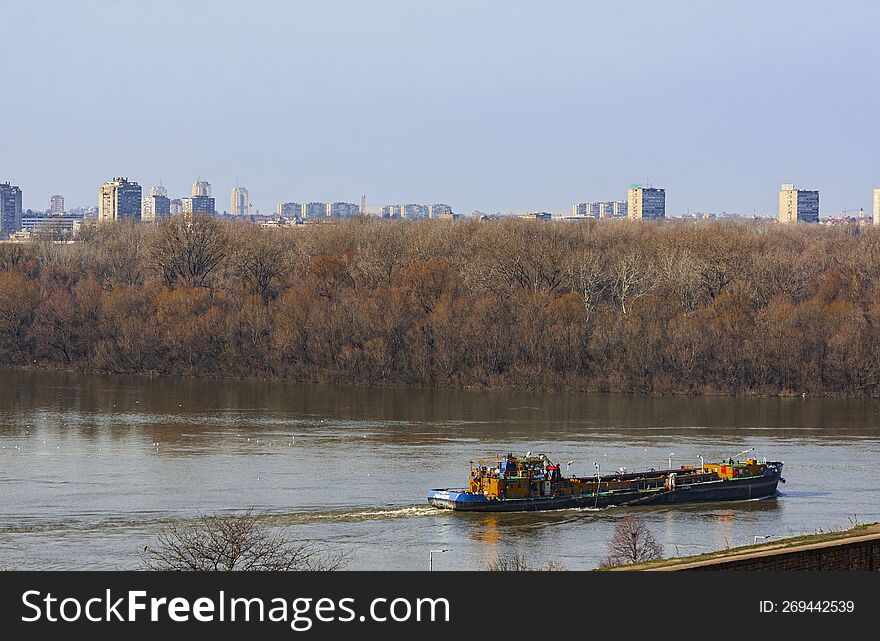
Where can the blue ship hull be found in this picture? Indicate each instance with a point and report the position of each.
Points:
(720, 490)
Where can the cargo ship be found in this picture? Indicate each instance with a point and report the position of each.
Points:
(509, 483)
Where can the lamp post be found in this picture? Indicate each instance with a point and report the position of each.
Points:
(431, 554)
(700, 456)
(671, 454)
(598, 483)
(769, 536)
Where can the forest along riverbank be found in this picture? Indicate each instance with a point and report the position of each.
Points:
(93, 466)
(748, 308)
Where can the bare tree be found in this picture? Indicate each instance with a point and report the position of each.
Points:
(14, 255)
(115, 253)
(630, 277)
(632, 542)
(188, 251)
(243, 543)
(259, 259)
(19, 297)
(516, 562)
(587, 276)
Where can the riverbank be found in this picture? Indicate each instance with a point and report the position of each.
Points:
(855, 548)
(345, 382)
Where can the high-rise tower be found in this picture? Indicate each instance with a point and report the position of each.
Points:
(119, 199)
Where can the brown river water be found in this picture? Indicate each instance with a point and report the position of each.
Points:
(92, 467)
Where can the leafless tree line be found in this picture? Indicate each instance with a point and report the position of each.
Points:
(680, 307)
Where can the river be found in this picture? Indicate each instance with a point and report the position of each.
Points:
(92, 467)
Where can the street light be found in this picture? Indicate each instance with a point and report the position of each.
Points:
(598, 483)
(700, 456)
(769, 536)
(431, 557)
(671, 454)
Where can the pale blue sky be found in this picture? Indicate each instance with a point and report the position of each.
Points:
(501, 105)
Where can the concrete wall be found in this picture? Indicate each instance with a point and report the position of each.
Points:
(862, 553)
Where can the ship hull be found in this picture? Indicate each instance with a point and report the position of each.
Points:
(711, 491)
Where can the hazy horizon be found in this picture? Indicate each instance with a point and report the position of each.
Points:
(492, 106)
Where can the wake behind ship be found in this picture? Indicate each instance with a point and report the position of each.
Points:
(527, 483)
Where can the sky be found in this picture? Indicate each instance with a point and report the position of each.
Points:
(490, 105)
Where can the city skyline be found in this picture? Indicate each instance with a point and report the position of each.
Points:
(507, 120)
(240, 205)
(201, 192)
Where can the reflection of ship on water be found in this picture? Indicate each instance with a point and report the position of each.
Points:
(529, 483)
(487, 531)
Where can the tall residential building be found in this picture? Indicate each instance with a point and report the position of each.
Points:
(645, 203)
(606, 209)
(176, 206)
(602, 209)
(119, 199)
(155, 206)
(200, 202)
(201, 188)
(391, 211)
(289, 209)
(312, 211)
(56, 204)
(239, 204)
(798, 205)
(414, 211)
(877, 206)
(592, 209)
(341, 210)
(190, 205)
(10, 209)
(582, 209)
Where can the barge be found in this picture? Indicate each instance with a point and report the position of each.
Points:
(509, 483)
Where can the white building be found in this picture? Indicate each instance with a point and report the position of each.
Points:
(201, 188)
(56, 204)
(877, 206)
(239, 203)
(155, 206)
